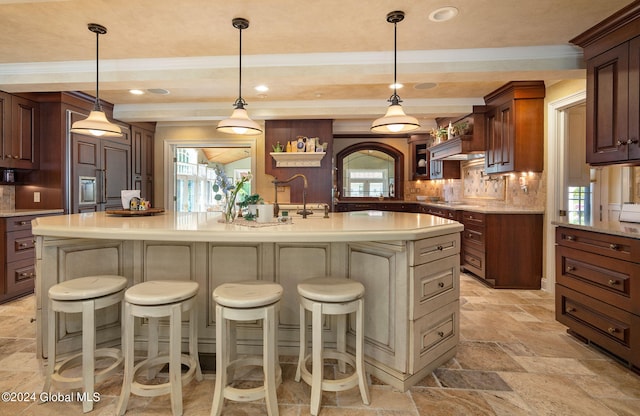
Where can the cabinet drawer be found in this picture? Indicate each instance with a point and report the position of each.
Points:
(19, 223)
(473, 236)
(618, 247)
(20, 277)
(433, 335)
(433, 285)
(605, 325)
(20, 246)
(473, 218)
(610, 280)
(435, 248)
(474, 261)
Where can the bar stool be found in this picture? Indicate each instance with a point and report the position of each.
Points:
(83, 295)
(154, 300)
(246, 301)
(331, 296)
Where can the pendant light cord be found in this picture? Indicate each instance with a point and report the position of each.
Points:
(240, 103)
(395, 98)
(97, 106)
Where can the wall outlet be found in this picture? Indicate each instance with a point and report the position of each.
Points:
(36, 197)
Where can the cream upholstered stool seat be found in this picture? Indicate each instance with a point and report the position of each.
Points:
(154, 300)
(83, 295)
(331, 296)
(246, 301)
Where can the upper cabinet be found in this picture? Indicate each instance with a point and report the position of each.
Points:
(423, 166)
(612, 52)
(142, 137)
(514, 128)
(19, 130)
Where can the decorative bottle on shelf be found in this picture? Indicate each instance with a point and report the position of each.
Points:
(449, 132)
(288, 149)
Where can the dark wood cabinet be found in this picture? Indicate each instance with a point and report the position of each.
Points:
(423, 167)
(598, 289)
(514, 128)
(505, 250)
(142, 159)
(612, 52)
(377, 206)
(20, 132)
(17, 256)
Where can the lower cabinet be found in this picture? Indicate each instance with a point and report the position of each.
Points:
(377, 206)
(505, 250)
(598, 290)
(18, 257)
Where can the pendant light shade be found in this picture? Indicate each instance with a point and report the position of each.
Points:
(395, 120)
(97, 124)
(239, 122)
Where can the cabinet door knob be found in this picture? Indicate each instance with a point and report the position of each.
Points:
(613, 246)
(632, 141)
(613, 282)
(570, 268)
(441, 284)
(440, 334)
(621, 142)
(16, 157)
(612, 330)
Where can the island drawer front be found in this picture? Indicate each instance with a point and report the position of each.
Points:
(435, 248)
(610, 280)
(433, 335)
(615, 246)
(605, 325)
(473, 218)
(19, 223)
(434, 285)
(20, 246)
(20, 276)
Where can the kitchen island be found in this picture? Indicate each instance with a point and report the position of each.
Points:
(408, 263)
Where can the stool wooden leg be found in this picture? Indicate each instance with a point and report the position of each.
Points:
(303, 342)
(341, 340)
(360, 369)
(152, 345)
(269, 364)
(317, 363)
(175, 373)
(193, 340)
(88, 352)
(221, 363)
(51, 347)
(127, 350)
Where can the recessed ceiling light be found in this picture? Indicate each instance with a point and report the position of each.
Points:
(443, 14)
(261, 88)
(136, 92)
(425, 86)
(396, 86)
(160, 91)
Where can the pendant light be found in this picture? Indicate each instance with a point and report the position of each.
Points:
(395, 120)
(239, 122)
(97, 124)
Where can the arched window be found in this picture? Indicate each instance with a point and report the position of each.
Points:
(370, 170)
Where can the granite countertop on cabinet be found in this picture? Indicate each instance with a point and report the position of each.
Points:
(24, 212)
(624, 229)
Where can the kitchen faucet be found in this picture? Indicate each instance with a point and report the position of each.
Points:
(304, 212)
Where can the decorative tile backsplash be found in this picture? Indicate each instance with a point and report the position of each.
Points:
(522, 190)
(7, 197)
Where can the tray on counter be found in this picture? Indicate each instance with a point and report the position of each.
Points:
(135, 213)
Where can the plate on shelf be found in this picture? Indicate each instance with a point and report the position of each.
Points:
(134, 213)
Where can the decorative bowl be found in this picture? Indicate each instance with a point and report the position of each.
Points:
(421, 198)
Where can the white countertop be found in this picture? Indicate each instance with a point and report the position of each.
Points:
(23, 212)
(172, 226)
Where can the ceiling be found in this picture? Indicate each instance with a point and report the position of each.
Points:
(323, 59)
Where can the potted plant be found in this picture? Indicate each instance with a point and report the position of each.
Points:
(249, 203)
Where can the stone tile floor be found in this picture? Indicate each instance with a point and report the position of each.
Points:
(513, 359)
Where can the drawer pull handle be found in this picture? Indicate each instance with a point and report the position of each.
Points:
(613, 246)
(571, 309)
(612, 330)
(440, 248)
(441, 284)
(613, 282)
(440, 334)
(570, 238)
(570, 268)
(23, 223)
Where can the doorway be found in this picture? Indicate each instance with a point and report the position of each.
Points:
(193, 165)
